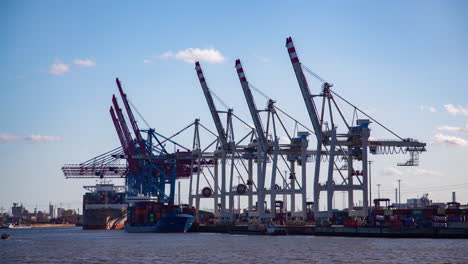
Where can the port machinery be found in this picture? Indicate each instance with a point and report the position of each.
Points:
(344, 154)
(149, 167)
(256, 157)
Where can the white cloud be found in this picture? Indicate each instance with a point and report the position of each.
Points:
(84, 63)
(428, 108)
(392, 172)
(147, 61)
(191, 55)
(8, 137)
(32, 138)
(40, 138)
(453, 129)
(166, 55)
(450, 140)
(456, 110)
(58, 68)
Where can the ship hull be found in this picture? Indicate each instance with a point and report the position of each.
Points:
(104, 218)
(170, 223)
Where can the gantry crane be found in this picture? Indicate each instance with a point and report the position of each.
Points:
(263, 147)
(354, 144)
(226, 146)
(150, 167)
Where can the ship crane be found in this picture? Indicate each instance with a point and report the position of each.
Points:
(355, 143)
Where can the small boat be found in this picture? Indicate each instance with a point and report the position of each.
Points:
(6, 236)
(19, 226)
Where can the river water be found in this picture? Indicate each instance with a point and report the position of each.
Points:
(74, 245)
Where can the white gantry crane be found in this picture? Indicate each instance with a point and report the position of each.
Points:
(354, 144)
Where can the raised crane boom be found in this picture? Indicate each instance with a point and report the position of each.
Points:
(212, 106)
(125, 132)
(131, 118)
(119, 131)
(306, 94)
(252, 107)
(262, 149)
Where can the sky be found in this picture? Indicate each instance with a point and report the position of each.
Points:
(403, 62)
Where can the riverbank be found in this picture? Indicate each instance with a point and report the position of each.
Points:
(51, 225)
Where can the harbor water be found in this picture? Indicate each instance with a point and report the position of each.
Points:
(74, 245)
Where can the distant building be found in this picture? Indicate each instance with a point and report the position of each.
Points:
(59, 212)
(419, 202)
(17, 211)
(51, 211)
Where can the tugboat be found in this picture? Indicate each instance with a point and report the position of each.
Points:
(147, 214)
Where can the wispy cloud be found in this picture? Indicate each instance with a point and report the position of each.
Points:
(456, 110)
(147, 61)
(424, 172)
(191, 55)
(58, 68)
(4, 137)
(454, 129)
(428, 108)
(8, 137)
(262, 59)
(450, 140)
(41, 138)
(84, 63)
(392, 172)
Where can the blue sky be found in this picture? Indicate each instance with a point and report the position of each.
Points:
(405, 62)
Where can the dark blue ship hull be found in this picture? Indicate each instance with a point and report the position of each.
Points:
(170, 223)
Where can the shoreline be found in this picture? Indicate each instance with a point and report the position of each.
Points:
(52, 225)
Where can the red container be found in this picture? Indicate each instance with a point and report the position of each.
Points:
(350, 223)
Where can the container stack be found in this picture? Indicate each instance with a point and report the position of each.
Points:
(439, 221)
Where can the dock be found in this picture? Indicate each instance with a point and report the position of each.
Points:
(382, 232)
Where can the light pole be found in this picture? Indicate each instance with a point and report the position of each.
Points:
(370, 182)
(399, 193)
(378, 188)
(238, 196)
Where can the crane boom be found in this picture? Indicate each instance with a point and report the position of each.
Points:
(306, 94)
(252, 107)
(212, 106)
(125, 132)
(262, 149)
(118, 129)
(131, 118)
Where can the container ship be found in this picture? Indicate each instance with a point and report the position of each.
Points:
(104, 207)
(146, 214)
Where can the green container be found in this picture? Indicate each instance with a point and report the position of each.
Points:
(417, 212)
